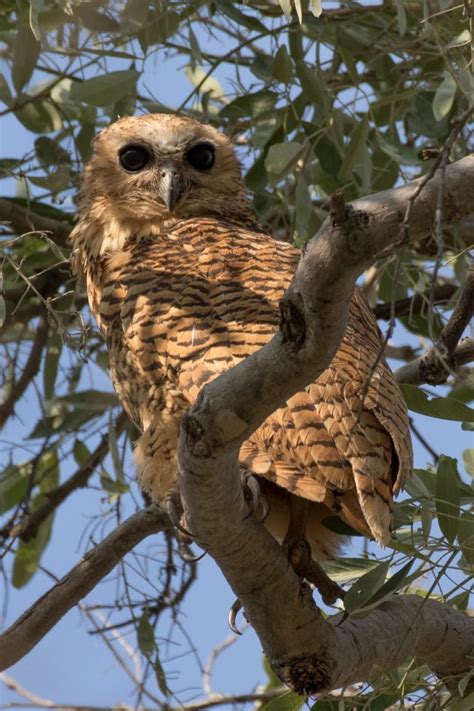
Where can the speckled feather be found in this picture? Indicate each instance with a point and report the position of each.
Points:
(180, 298)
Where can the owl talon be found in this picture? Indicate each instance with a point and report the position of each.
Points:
(186, 554)
(174, 509)
(233, 612)
(254, 498)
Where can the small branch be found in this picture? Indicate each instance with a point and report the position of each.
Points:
(413, 373)
(415, 304)
(30, 371)
(446, 356)
(44, 614)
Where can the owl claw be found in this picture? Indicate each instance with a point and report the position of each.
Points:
(186, 553)
(254, 498)
(174, 509)
(233, 612)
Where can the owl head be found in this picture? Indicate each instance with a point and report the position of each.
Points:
(158, 166)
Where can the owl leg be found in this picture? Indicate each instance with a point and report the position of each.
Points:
(299, 553)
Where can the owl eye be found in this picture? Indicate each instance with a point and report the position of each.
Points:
(134, 158)
(202, 156)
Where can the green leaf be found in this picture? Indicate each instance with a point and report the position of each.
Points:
(28, 554)
(146, 635)
(136, 12)
(231, 10)
(444, 97)
(282, 157)
(47, 471)
(5, 93)
(254, 105)
(207, 84)
(38, 116)
(90, 400)
(403, 155)
(81, 453)
(343, 570)
(160, 676)
(356, 155)
(466, 535)
(50, 368)
(445, 408)
(362, 590)
(55, 182)
(15, 481)
(94, 20)
(447, 496)
(402, 17)
(49, 152)
(328, 155)
(105, 89)
(282, 66)
(468, 459)
(3, 310)
(26, 53)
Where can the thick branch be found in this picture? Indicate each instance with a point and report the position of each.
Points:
(32, 626)
(311, 654)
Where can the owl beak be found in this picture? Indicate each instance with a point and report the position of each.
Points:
(171, 187)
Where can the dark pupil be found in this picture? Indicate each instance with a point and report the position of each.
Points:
(201, 157)
(134, 158)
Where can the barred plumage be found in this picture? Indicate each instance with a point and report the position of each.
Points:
(183, 294)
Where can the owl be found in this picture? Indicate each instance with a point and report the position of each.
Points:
(184, 283)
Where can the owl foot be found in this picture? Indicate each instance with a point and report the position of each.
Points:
(299, 555)
(254, 498)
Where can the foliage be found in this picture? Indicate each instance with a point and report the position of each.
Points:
(319, 97)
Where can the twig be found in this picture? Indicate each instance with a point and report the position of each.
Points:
(446, 356)
(14, 685)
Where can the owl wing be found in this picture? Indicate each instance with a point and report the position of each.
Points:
(344, 441)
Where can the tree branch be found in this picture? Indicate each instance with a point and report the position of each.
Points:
(445, 357)
(44, 614)
(309, 653)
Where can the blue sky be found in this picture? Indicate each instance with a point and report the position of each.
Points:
(72, 666)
